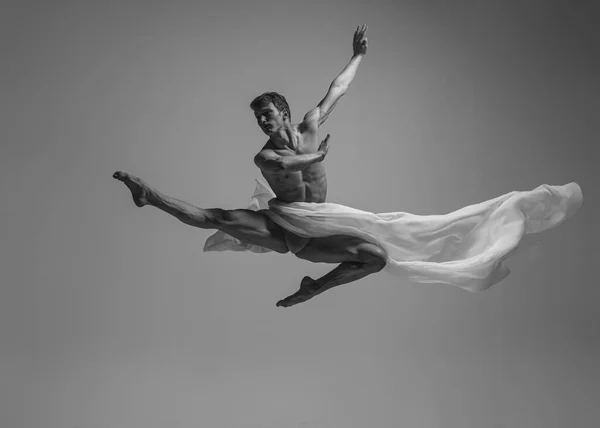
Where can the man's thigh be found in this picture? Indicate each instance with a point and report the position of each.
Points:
(250, 226)
(339, 249)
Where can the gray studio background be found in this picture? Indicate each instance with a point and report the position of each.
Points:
(112, 317)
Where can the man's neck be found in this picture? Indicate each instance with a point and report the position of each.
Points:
(284, 137)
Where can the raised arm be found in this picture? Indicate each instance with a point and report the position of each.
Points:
(317, 116)
(272, 163)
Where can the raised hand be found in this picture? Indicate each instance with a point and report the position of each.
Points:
(324, 146)
(360, 40)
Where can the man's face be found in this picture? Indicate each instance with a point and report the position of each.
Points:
(269, 119)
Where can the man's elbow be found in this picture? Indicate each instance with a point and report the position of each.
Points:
(278, 166)
(339, 87)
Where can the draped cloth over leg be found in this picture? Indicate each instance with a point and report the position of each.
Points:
(466, 248)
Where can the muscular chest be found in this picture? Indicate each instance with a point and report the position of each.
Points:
(302, 144)
(305, 185)
(306, 175)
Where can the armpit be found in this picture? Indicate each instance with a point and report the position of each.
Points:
(311, 120)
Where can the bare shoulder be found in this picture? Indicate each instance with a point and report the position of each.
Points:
(266, 152)
(308, 138)
(310, 123)
(300, 129)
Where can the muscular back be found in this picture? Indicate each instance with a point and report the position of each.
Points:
(306, 185)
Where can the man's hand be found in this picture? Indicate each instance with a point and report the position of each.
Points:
(360, 41)
(324, 146)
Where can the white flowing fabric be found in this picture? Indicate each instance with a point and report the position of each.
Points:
(466, 248)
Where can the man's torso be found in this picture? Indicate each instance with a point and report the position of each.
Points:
(308, 185)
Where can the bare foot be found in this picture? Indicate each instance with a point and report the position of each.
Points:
(308, 290)
(139, 189)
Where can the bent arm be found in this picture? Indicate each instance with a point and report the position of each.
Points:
(272, 163)
(317, 116)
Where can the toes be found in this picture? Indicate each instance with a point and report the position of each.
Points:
(292, 300)
(307, 291)
(287, 302)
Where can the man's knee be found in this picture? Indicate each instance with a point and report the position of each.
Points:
(373, 256)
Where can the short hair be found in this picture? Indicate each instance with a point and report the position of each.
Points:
(278, 101)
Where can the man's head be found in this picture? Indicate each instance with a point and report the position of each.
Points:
(271, 111)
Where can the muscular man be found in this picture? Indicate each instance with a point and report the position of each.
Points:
(292, 163)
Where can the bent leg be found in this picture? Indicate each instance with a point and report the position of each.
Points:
(246, 225)
(357, 257)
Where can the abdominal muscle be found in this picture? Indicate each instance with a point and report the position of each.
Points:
(308, 185)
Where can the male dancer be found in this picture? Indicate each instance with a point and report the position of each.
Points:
(292, 163)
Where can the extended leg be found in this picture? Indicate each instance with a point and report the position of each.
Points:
(358, 259)
(246, 225)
